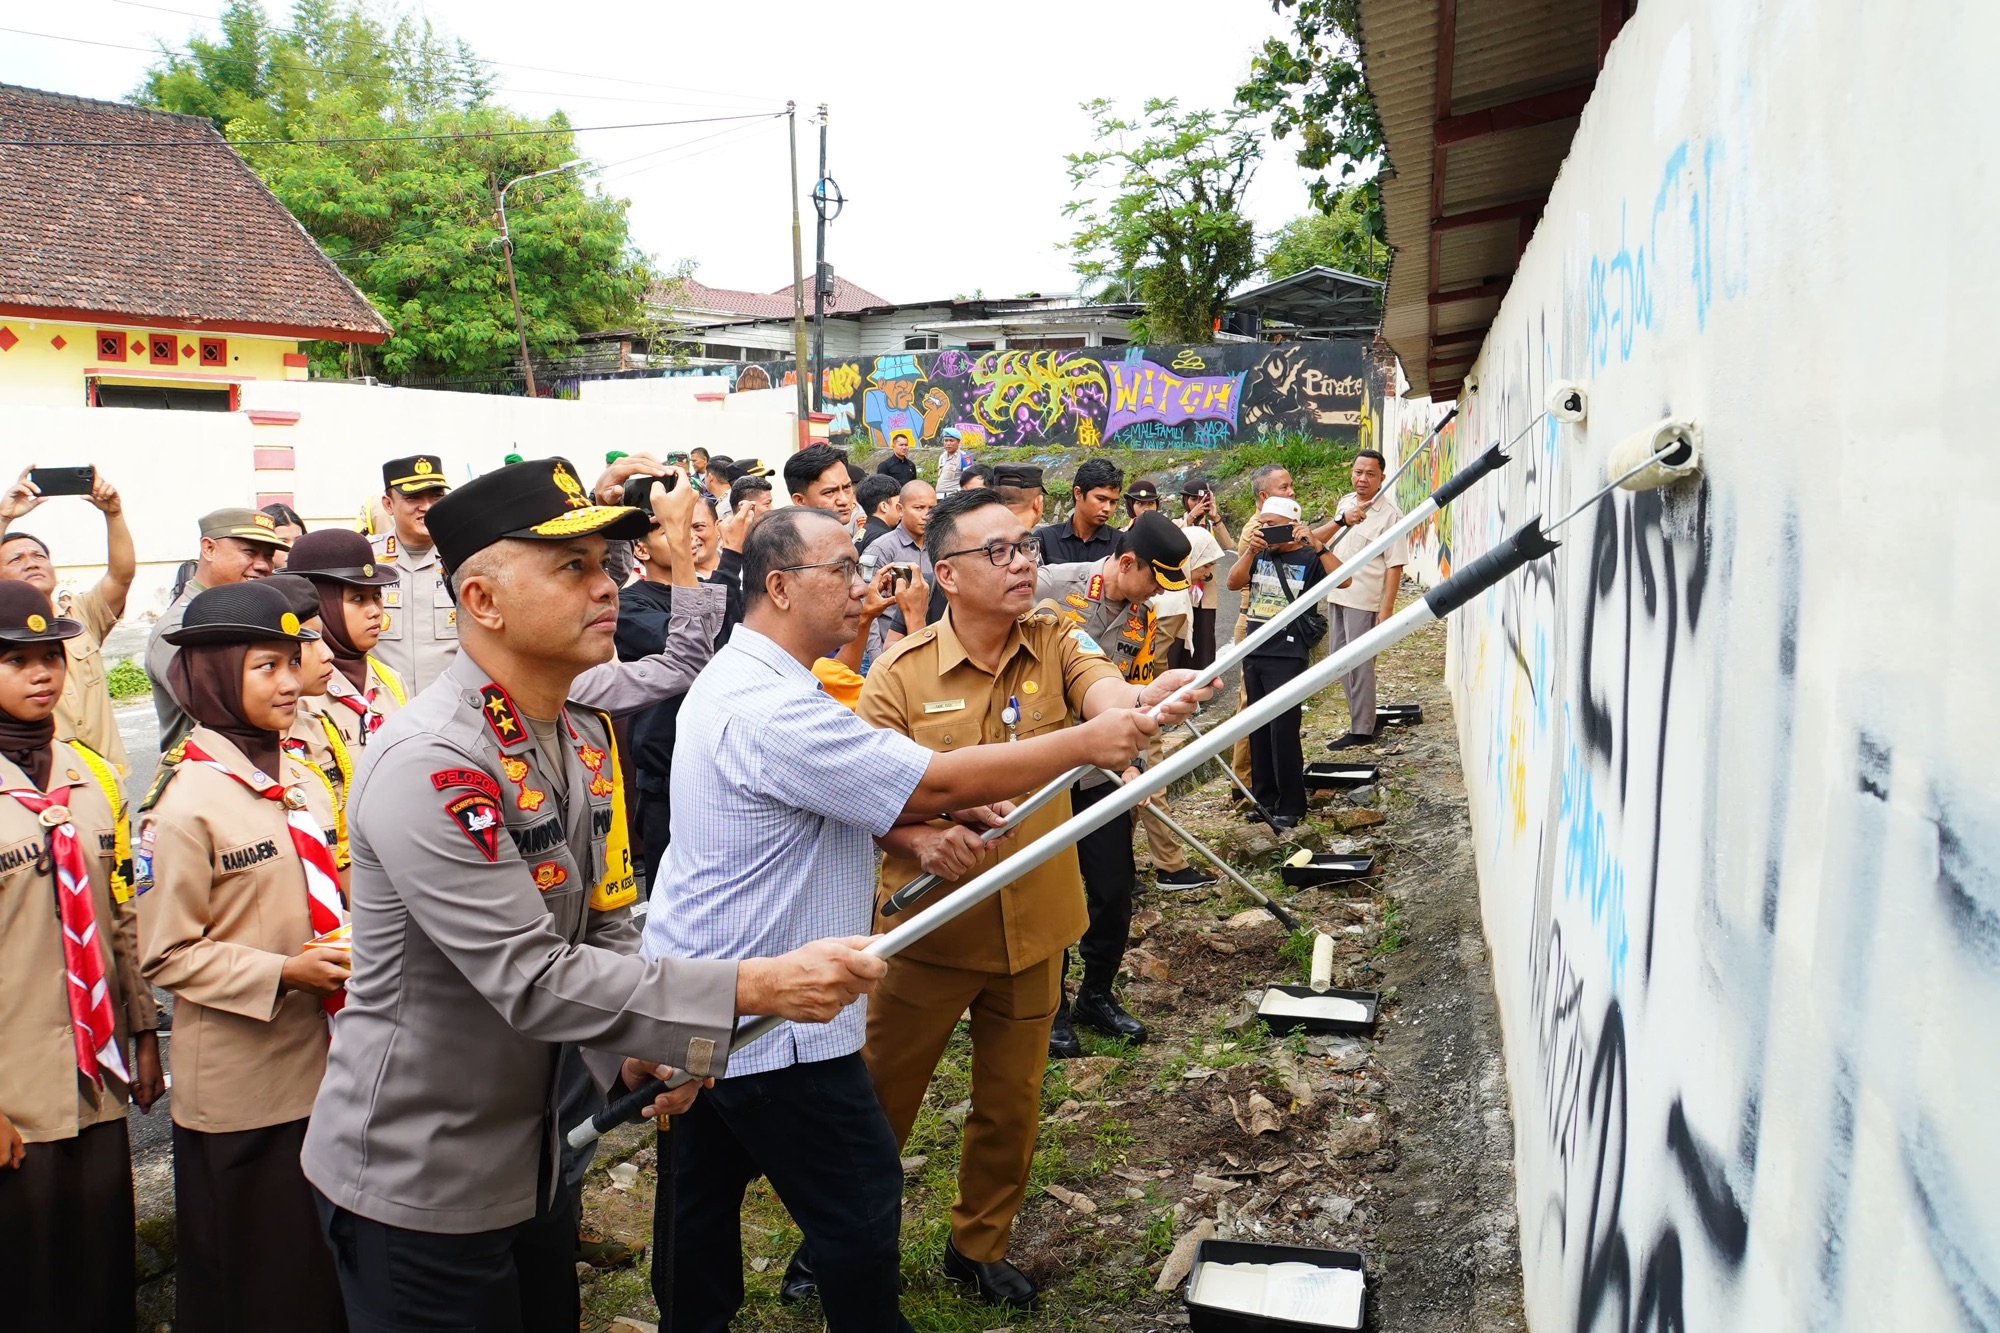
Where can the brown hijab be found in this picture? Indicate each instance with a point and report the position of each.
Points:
(348, 660)
(29, 745)
(208, 680)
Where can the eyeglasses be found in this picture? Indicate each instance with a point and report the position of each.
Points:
(1002, 553)
(847, 565)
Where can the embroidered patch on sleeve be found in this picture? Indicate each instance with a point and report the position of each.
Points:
(479, 819)
(1085, 644)
(466, 777)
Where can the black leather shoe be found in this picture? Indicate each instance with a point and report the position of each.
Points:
(798, 1283)
(999, 1283)
(1284, 822)
(1063, 1044)
(1101, 1010)
(1352, 740)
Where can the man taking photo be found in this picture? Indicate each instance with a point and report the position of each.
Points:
(83, 710)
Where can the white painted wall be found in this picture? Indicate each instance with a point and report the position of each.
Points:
(172, 467)
(1731, 753)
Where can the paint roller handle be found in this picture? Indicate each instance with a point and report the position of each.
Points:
(1461, 481)
(1525, 543)
(618, 1112)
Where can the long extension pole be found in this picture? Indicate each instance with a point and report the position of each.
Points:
(1526, 543)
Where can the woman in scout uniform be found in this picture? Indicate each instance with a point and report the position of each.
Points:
(343, 571)
(236, 880)
(315, 734)
(70, 999)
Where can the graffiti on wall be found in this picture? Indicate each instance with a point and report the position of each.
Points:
(1739, 876)
(1137, 397)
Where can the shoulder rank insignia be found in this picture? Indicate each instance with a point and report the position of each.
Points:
(389, 547)
(498, 710)
(1096, 593)
(529, 798)
(168, 767)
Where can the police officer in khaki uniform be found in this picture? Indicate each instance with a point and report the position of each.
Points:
(419, 634)
(237, 545)
(236, 882)
(73, 1006)
(990, 672)
(1109, 600)
(491, 894)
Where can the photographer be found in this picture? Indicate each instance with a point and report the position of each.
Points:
(904, 545)
(1278, 559)
(83, 710)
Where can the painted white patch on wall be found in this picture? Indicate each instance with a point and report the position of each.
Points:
(1670, 88)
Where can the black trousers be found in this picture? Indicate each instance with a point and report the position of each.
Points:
(816, 1132)
(1203, 652)
(1109, 874)
(518, 1279)
(655, 826)
(66, 1234)
(1277, 759)
(249, 1255)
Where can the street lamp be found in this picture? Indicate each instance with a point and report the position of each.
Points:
(506, 243)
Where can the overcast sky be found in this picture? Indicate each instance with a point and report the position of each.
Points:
(948, 122)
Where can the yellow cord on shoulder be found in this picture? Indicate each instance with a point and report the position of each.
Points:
(114, 796)
(390, 682)
(345, 764)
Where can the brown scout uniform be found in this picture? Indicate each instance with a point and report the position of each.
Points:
(327, 756)
(66, 1211)
(83, 710)
(1002, 959)
(222, 909)
(40, 1090)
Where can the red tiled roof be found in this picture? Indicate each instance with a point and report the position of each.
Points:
(692, 295)
(176, 236)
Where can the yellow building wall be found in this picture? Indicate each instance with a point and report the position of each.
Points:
(35, 369)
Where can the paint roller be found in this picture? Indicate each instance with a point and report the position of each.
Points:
(1665, 452)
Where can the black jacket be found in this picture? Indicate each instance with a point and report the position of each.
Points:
(643, 611)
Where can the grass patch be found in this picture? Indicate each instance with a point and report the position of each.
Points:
(1392, 930)
(1297, 950)
(127, 679)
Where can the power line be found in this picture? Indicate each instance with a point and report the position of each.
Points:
(482, 60)
(373, 138)
(349, 75)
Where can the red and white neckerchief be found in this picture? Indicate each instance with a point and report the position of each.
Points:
(323, 903)
(364, 708)
(91, 1018)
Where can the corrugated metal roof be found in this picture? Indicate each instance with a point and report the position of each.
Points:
(1460, 213)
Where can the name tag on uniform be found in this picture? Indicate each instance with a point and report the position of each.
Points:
(944, 706)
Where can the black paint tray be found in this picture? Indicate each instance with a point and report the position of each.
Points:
(1345, 777)
(1398, 715)
(1280, 1024)
(1305, 868)
(1217, 1319)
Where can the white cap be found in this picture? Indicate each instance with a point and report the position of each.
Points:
(1281, 506)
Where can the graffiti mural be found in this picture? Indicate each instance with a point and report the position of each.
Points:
(1137, 397)
(1739, 862)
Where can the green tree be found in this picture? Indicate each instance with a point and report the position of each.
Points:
(412, 220)
(1343, 238)
(1311, 85)
(1159, 212)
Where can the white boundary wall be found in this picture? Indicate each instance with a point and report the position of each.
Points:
(172, 467)
(1731, 754)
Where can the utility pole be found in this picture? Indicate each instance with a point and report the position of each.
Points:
(506, 244)
(820, 283)
(801, 370)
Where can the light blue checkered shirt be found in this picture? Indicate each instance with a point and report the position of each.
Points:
(778, 793)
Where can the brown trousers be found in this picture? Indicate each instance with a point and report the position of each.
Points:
(1164, 846)
(911, 1015)
(1239, 756)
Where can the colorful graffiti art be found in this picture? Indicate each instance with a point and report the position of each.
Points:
(1136, 397)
